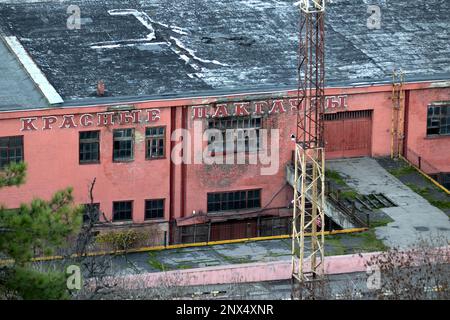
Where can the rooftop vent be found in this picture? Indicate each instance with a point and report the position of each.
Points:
(100, 88)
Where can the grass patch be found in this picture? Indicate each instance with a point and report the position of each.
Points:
(158, 265)
(237, 260)
(425, 193)
(335, 176)
(441, 204)
(241, 260)
(345, 191)
(334, 246)
(234, 260)
(184, 267)
(154, 262)
(348, 194)
(402, 171)
(275, 255)
(380, 223)
(369, 241)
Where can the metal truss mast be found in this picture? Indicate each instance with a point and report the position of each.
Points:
(398, 114)
(309, 186)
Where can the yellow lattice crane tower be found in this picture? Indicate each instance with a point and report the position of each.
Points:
(309, 185)
(398, 114)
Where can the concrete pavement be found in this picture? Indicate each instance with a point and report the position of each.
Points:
(414, 217)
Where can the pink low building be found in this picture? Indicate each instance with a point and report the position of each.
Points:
(106, 101)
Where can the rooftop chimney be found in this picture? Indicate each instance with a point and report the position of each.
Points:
(100, 88)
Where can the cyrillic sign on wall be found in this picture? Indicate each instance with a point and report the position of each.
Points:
(242, 109)
(86, 120)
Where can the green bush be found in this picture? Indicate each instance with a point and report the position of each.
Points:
(30, 284)
(121, 240)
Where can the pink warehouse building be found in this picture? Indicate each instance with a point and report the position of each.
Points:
(193, 74)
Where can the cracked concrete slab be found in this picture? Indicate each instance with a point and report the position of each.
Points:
(414, 217)
(197, 257)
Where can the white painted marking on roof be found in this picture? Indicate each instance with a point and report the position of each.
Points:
(140, 15)
(192, 53)
(179, 30)
(185, 58)
(107, 46)
(101, 43)
(34, 72)
(115, 44)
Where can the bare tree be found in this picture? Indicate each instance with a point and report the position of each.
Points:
(422, 272)
(417, 273)
(96, 268)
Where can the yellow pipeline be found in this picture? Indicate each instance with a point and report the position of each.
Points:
(190, 245)
(426, 176)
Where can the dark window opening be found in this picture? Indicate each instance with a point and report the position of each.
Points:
(123, 145)
(234, 200)
(438, 120)
(154, 209)
(155, 142)
(89, 147)
(11, 150)
(122, 210)
(91, 212)
(446, 180)
(237, 134)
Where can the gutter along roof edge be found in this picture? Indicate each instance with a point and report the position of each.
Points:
(266, 90)
(225, 93)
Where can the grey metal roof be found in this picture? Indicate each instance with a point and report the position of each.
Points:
(179, 47)
(17, 90)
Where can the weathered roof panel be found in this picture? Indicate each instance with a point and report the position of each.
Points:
(162, 47)
(17, 90)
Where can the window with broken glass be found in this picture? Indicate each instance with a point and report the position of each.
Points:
(438, 120)
(123, 145)
(154, 142)
(11, 150)
(234, 134)
(235, 200)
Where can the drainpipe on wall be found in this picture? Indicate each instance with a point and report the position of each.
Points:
(172, 177)
(405, 125)
(183, 165)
